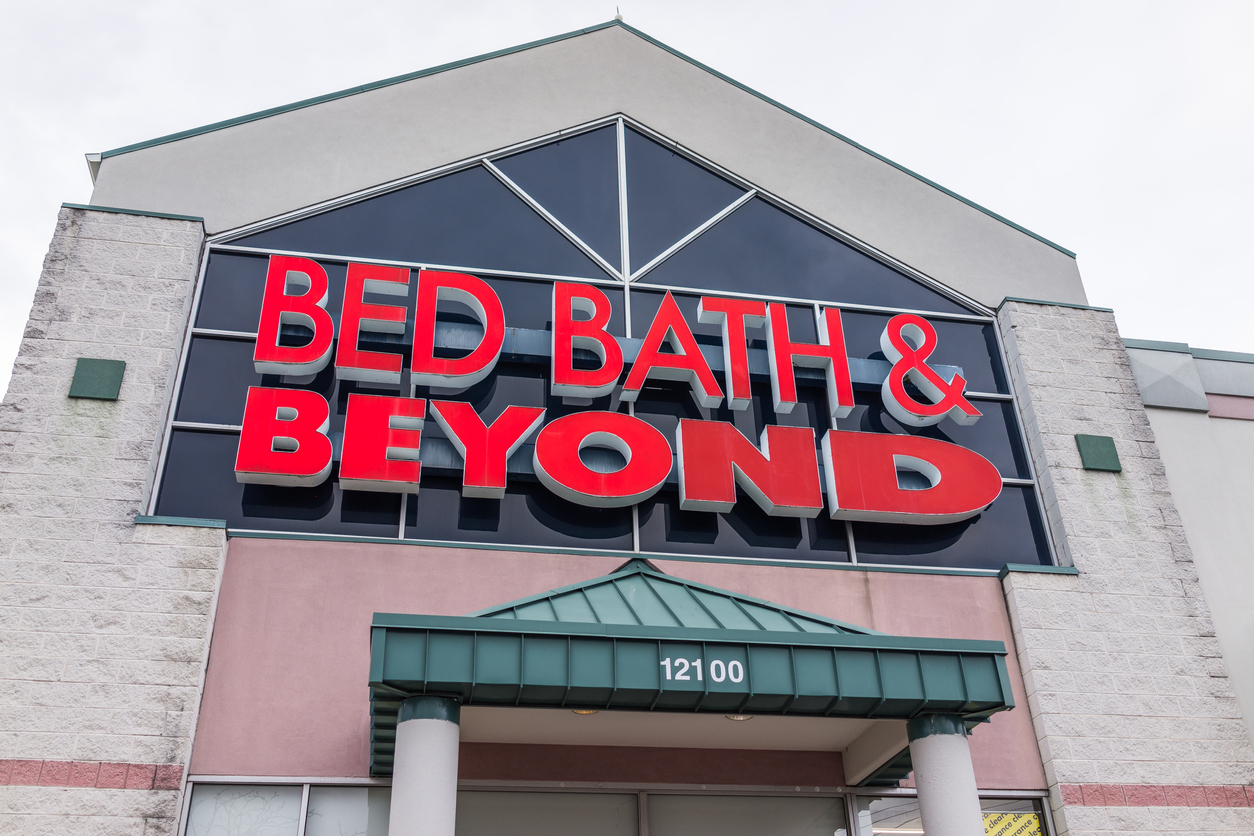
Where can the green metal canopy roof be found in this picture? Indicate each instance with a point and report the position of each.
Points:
(639, 640)
(639, 594)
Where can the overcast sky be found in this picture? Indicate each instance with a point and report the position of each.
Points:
(1123, 131)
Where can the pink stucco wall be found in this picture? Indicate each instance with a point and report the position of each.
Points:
(285, 691)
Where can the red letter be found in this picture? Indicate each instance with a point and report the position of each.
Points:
(783, 478)
(569, 334)
(463, 372)
(734, 315)
(284, 440)
(828, 355)
(910, 363)
(381, 438)
(862, 478)
(686, 364)
(559, 467)
(485, 450)
(307, 309)
(351, 363)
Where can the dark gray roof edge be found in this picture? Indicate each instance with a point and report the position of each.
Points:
(1157, 345)
(846, 139)
(193, 522)
(363, 88)
(1033, 568)
(1185, 348)
(1078, 307)
(1229, 356)
(115, 210)
(351, 91)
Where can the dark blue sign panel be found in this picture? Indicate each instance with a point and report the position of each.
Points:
(556, 213)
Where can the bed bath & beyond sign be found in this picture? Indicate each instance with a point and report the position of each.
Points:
(284, 439)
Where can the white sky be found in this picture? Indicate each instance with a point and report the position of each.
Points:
(1123, 131)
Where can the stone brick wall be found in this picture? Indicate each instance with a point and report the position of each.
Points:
(103, 624)
(1137, 722)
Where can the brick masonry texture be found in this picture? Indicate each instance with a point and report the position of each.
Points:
(114, 776)
(103, 624)
(1126, 685)
(1155, 795)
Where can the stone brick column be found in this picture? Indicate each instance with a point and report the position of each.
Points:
(1134, 713)
(103, 624)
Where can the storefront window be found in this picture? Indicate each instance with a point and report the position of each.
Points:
(253, 810)
(896, 815)
(348, 811)
(900, 815)
(551, 813)
(717, 815)
(1012, 817)
(244, 810)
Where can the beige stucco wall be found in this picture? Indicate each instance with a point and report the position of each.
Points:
(1210, 468)
(263, 168)
(285, 687)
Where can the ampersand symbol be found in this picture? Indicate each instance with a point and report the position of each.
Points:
(910, 363)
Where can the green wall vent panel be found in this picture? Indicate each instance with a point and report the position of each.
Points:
(97, 379)
(674, 654)
(1097, 452)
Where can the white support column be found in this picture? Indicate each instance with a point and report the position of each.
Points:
(949, 802)
(424, 768)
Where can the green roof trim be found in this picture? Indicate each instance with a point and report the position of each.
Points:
(570, 629)
(115, 210)
(364, 88)
(1157, 345)
(1185, 348)
(192, 522)
(1227, 356)
(1054, 304)
(1036, 569)
(846, 139)
(651, 659)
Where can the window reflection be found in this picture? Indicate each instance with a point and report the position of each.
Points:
(889, 816)
(551, 814)
(348, 811)
(244, 810)
(256, 810)
(900, 815)
(1011, 817)
(713, 815)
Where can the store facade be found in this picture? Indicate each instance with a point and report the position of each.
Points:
(526, 446)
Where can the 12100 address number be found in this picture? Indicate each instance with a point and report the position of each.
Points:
(682, 669)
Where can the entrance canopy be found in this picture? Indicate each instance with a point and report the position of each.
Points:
(640, 640)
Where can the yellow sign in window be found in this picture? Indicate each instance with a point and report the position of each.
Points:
(1012, 824)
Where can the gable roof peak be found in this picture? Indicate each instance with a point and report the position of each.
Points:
(637, 564)
(639, 594)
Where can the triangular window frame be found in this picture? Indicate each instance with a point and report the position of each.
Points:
(633, 275)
